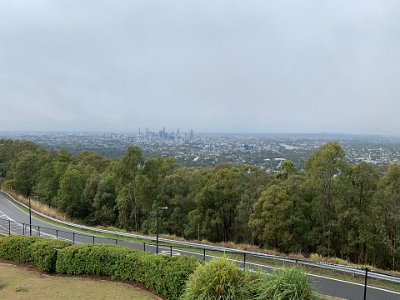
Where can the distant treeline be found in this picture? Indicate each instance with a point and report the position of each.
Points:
(333, 208)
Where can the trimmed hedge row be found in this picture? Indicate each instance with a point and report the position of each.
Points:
(164, 275)
(42, 253)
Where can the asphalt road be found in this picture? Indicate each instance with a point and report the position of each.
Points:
(18, 220)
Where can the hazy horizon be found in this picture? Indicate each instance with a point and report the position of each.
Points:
(155, 130)
(249, 67)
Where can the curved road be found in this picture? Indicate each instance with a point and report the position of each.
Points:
(17, 220)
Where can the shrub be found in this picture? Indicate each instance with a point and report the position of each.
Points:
(89, 259)
(15, 248)
(288, 283)
(218, 279)
(44, 253)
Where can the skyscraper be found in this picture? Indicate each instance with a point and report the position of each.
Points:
(191, 135)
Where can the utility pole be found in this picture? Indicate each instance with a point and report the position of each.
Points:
(30, 216)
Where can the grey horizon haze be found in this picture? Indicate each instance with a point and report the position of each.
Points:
(214, 66)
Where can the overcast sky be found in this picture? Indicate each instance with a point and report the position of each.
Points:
(211, 65)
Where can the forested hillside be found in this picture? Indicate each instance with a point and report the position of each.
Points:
(331, 207)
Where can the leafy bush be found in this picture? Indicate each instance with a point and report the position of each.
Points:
(44, 253)
(218, 279)
(288, 283)
(89, 259)
(29, 249)
(15, 248)
(164, 275)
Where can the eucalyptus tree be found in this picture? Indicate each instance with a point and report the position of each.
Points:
(324, 168)
(387, 205)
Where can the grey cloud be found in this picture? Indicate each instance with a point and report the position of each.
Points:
(239, 66)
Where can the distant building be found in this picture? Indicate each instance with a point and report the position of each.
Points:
(191, 135)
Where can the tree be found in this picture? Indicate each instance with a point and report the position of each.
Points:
(217, 201)
(127, 171)
(69, 197)
(388, 211)
(323, 168)
(25, 171)
(280, 217)
(358, 186)
(89, 194)
(271, 218)
(149, 189)
(49, 176)
(104, 201)
(178, 188)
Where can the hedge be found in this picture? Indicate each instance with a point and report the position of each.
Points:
(42, 253)
(164, 275)
(15, 248)
(89, 259)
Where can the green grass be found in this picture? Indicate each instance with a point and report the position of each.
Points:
(17, 283)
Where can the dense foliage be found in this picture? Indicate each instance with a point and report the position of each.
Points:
(42, 253)
(333, 208)
(162, 274)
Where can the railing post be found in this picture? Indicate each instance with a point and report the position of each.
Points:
(73, 237)
(244, 261)
(57, 234)
(93, 239)
(204, 254)
(23, 228)
(38, 228)
(9, 227)
(366, 283)
(171, 250)
(144, 246)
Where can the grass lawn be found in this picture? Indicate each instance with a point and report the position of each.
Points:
(19, 283)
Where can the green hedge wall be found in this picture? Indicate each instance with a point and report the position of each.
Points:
(42, 253)
(164, 275)
(15, 248)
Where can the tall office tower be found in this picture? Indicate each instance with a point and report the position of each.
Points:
(191, 134)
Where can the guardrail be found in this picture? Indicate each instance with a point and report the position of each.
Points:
(334, 267)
